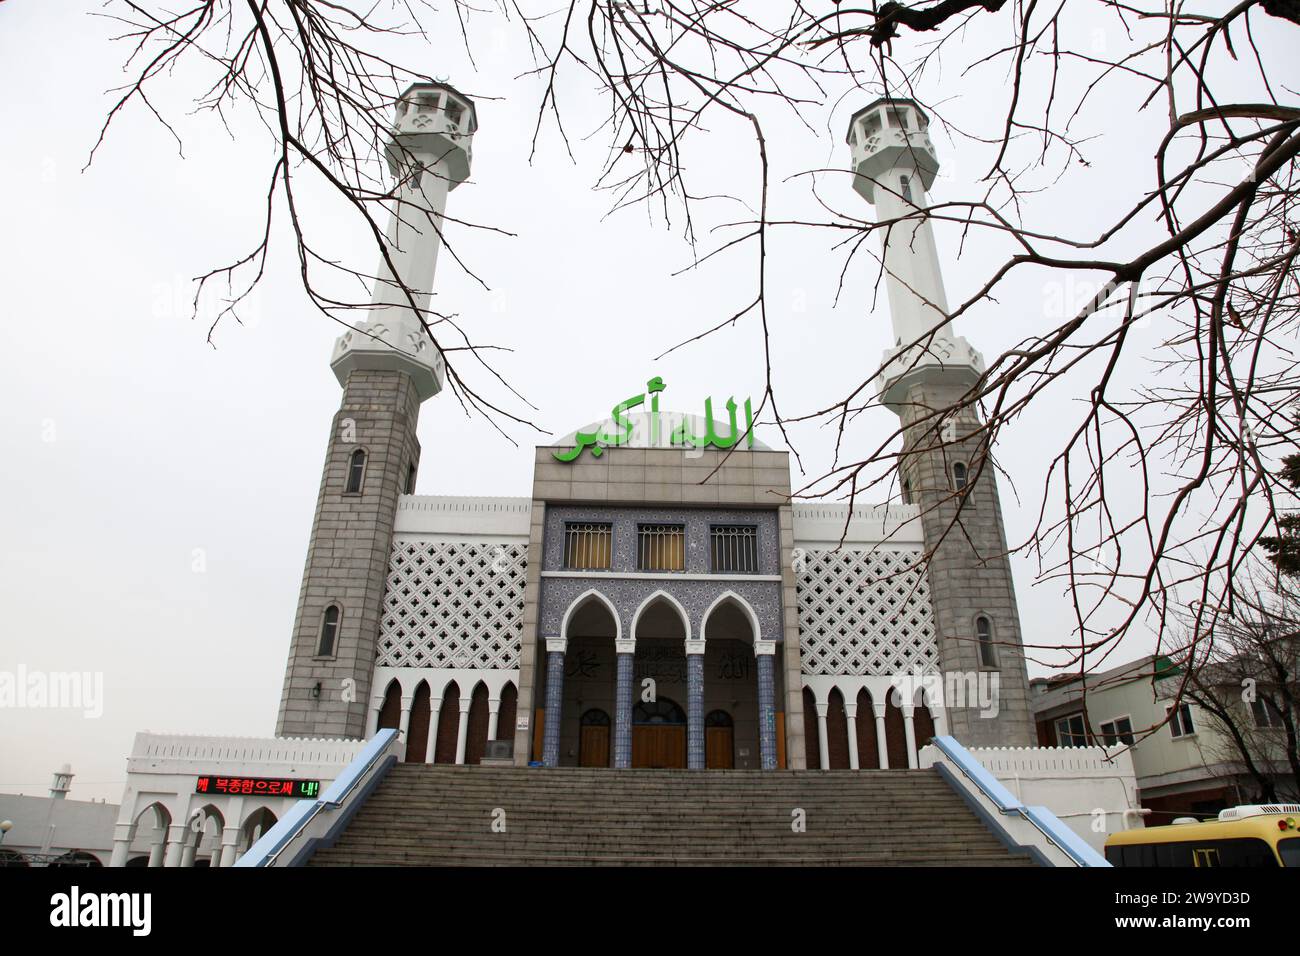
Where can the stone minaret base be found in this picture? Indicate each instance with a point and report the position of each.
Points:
(347, 557)
(969, 570)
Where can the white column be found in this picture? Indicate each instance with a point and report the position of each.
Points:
(176, 834)
(372, 721)
(462, 735)
(910, 732)
(123, 834)
(229, 847)
(404, 722)
(159, 849)
(494, 711)
(121, 848)
(851, 711)
(821, 736)
(882, 746)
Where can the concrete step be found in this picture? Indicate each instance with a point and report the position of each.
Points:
(424, 815)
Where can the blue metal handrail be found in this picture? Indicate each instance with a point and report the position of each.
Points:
(1041, 818)
(304, 811)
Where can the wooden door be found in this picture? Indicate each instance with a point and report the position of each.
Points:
(593, 746)
(719, 748)
(539, 732)
(659, 746)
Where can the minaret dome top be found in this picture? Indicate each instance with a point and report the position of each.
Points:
(890, 134)
(438, 121)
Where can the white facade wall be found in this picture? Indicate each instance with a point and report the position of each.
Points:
(1091, 792)
(160, 810)
(45, 827)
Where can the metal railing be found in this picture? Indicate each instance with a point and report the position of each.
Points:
(1040, 818)
(293, 825)
(661, 547)
(587, 546)
(735, 548)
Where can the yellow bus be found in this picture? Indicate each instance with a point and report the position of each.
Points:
(1259, 835)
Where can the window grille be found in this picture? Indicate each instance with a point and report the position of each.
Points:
(734, 548)
(587, 545)
(661, 547)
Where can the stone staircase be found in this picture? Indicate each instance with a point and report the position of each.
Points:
(438, 815)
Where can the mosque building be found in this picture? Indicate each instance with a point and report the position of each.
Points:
(654, 599)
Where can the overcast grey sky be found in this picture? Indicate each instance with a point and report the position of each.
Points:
(158, 493)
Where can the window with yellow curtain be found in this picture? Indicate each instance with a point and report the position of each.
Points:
(587, 545)
(661, 547)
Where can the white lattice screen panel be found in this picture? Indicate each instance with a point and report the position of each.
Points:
(453, 604)
(865, 613)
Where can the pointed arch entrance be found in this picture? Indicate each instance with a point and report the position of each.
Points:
(659, 735)
(740, 682)
(417, 734)
(659, 725)
(476, 740)
(448, 725)
(588, 680)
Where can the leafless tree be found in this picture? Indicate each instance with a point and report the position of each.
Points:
(1156, 493)
(1248, 680)
(310, 72)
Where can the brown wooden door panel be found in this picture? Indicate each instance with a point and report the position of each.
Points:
(539, 732)
(659, 746)
(593, 747)
(719, 751)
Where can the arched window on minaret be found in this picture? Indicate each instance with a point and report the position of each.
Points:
(958, 476)
(410, 479)
(356, 472)
(906, 183)
(984, 636)
(329, 631)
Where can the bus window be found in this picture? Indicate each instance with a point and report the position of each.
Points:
(1246, 852)
(1173, 854)
(1205, 856)
(1289, 851)
(1142, 855)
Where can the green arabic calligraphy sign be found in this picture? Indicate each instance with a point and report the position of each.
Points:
(682, 435)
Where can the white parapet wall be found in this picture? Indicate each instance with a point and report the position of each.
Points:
(165, 819)
(1091, 790)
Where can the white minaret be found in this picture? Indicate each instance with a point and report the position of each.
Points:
(895, 165)
(945, 467)
(387, 366)
(429, 154)
(62, 782)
